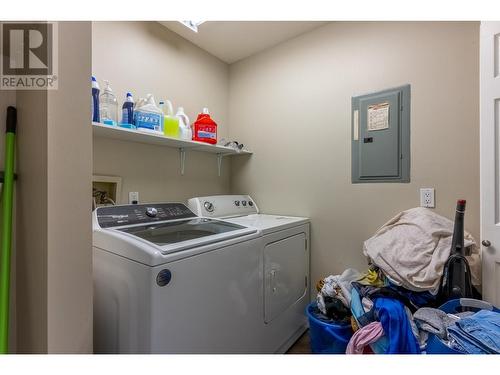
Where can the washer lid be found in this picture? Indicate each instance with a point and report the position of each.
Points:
(155, 233)
(157, 243)
(173, 232)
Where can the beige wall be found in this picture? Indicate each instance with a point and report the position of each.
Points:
(145, 57)
(53, 236)
(291, 105)
(69, 159)
(31, 224)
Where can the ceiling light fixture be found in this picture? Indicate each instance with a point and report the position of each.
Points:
(193, 25)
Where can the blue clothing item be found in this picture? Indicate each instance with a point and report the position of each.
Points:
(477, 334)
(418, 299)
(412, 300)
(391, 313)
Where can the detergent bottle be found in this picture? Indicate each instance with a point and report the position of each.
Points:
(128, 112)
(204, 128)
(170, 122)
(185, 131)
(148, 117)
(108, 106)
(95, 100)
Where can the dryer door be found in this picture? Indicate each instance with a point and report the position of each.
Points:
(285, 270)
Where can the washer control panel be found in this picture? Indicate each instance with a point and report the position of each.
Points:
(115, 216)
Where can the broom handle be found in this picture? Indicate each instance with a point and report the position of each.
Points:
(6, 228)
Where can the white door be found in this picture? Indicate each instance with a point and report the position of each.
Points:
(490, 159)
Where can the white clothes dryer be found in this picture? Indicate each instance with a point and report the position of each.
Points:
(285, 252)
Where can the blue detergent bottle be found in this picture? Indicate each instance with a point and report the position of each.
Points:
(128, 112)
(95, 100)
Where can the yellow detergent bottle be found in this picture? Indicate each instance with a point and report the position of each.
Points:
(170, 122)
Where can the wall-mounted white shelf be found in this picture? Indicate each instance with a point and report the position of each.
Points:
(129, 135)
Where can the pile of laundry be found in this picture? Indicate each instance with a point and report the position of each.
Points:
(392, 305)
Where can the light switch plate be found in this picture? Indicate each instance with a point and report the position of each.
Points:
(427, 197)
(133, 197)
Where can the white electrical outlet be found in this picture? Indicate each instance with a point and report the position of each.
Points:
(133, 197)
(427, 197)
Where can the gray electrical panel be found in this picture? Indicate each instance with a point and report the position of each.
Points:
(381, 136)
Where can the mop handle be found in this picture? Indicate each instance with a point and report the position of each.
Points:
(6, 228)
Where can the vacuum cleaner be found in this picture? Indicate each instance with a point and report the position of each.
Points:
(456, 280)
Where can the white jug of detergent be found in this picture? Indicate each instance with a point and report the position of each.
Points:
(185, 130)
(148, 117)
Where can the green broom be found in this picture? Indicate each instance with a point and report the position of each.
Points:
(6, 227)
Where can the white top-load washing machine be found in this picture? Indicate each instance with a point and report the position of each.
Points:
(284, 245)
(167, 281)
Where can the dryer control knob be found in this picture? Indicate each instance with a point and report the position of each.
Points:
(151, 211)
(237, 203)
(244, 203)
(209, 206)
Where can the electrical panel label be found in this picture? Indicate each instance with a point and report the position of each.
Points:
(378, 117)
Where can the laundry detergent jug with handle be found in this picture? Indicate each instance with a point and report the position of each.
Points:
(148, 117)
(204, 128)
(185, 131)
(170, 122)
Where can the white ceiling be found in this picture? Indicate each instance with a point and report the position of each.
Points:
(231, 41)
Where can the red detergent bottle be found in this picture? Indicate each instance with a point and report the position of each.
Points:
(204, 128)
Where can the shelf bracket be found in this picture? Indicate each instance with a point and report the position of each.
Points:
(182, 156)
(219, 163)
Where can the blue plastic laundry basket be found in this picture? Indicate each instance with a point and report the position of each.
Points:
(327, 338)
(434, 343)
